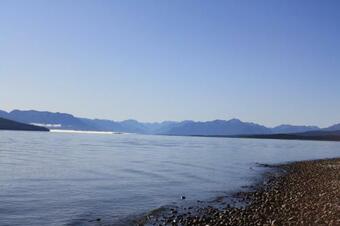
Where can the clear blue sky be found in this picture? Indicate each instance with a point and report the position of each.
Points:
(266, 61)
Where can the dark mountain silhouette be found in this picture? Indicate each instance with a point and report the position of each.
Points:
(320, 135)
(6, 124)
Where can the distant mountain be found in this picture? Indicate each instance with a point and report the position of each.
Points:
(6, 124)
(3, 114)
(49, 119)
(128, 126)
(162, 127)
(333, 128)
(320, 135)
(67, 121)
(293, 129)
(217, 127)
(103, 125)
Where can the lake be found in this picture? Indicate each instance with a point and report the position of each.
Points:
(73, 179)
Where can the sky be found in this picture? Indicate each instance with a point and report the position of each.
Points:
(265, 61)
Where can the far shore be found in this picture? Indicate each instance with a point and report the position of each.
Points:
(304, 193)
(279, 137)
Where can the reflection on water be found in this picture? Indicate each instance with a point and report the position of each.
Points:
(59, 178)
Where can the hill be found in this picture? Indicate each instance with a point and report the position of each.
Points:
(49, 119)
(6, 124)
(333, 128)
(320, 135)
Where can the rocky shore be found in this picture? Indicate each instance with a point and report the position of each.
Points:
(307, 193)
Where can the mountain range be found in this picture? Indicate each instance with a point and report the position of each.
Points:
(216, 127)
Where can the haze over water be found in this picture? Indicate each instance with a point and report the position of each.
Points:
(62, 178)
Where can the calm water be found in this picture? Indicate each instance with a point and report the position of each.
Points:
(61, 179)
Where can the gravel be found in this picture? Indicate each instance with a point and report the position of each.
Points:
(308, 193)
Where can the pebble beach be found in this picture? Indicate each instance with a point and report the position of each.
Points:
(304, 193)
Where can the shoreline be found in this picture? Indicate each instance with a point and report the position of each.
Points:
(296, 193)
(296, 137)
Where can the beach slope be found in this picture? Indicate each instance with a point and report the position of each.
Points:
(306, 193)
